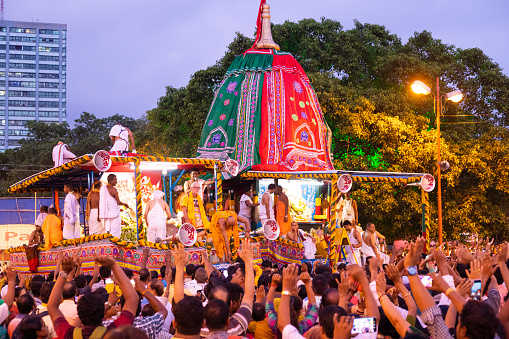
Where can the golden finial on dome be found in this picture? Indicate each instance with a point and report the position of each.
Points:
(266, 41)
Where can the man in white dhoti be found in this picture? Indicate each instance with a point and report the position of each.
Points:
(62, 154)
(246, 206)
(71, 209)
(369, 247)
(95, 225)
(353, 255)
(120, 136)
(347, 210)
(42, 215)
(157, 213)
(267, 207)
(109, 207)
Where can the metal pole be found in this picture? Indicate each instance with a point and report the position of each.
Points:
(439, 181)
(170, 191)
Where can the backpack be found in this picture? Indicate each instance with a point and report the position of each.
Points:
(97, 334)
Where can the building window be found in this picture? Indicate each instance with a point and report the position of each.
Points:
(21, 103)
(2, 102)
(49, 114)
(20, 75)
(22, 38)
(18, 122)
(2, 112)
(48, 58)
(3, 29)
(2, 47)
(48, 84)
(3, 38)
(22, 30)
(13, 142)
(48, 76)
(21, 48)
(2, 132)
(29, 94)
(22, 56)
(2, 64)
(48, 49)
(49, 40)
(49, 31)
(49, 67)
(2, 122)
(48, 94)
(2, 93)
(48, 103)
(2, 83)
(30, 84)
(18, 132)
(20, 65)
(13, 113)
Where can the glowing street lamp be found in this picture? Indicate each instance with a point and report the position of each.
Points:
(455, 96)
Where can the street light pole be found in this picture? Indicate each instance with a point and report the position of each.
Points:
(439, 181)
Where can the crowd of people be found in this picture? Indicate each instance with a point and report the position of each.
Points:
(182, 300)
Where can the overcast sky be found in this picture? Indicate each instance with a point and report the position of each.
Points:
(122, 53)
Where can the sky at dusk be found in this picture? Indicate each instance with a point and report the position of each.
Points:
(122, 53)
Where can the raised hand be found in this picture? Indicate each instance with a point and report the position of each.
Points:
(67, 265)
(260, 294)
(393, 273)
(357, 273)
(305, 277)
(246, 252)
(276, 278)
(502, 254)
(414, 256)
(475, 270)
(343, 327)
(138, 285)
(464, 288)
(181, 257)
(290, 277)
(104, 260)
(344, 285)
(11, 273)
(380, 284)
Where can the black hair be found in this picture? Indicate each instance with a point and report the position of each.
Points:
(271, 186)
(104, 272)
(111, 177)
(89, 278)
(144, 274)
(51, 276)
(157, 286)
(46, 289)
(80, 281)
(35, 287)
(332, 280)
(235, 292)
(44, 209)
(216, 314)
(91, 309)
(258, 312)
(322, 269)
(38, 278)
(326, 316)
(147, 311)
(138, 310)
(25, 303)
(69, 290)
(100, 290)
(17, 291)
(302, 293)
(154, 275)
(128, 272)
(162, 270)
(267, 264)
(29, 326)
(69, 186)
(52, 210)
(190, 269)
(187, 325)
(319, 284)
(346, 222)
(479, 319)
(265, 278)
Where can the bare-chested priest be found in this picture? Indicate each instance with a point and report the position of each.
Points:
(95, 225)
(370, 246)
(109, 207)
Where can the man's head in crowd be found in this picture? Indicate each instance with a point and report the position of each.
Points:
(370, 227)
(46, 291)
(43, 209)
(52, 210)
(258, 312)
(25, 303)
(266, 265)
(319, 284)
(271, 188)
(144, 275)
(156, 287)
(33, 327)
(129, 273)
(91, 309)
(35, 287)
(80, 281)
(217, 315)
(477, 320)
(326, 316)
(104, 272)
(235, 294)
(201, 275)
(138, 310)
(68, 188)
(184, 323)
(330, 297)
(239, 276)
(112, 180)
(347, 225)
(69, 290)
(190, 269)
(154, 275)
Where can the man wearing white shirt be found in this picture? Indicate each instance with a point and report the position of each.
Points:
(246, 206)
(71, 228)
